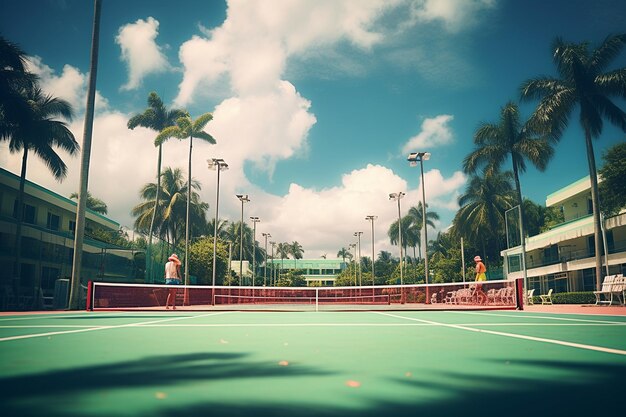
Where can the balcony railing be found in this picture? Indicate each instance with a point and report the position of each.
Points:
(566, 256)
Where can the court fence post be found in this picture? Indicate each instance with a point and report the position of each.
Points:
(519, 284)
(88, 301)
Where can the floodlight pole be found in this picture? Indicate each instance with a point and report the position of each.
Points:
(413, 158)
(265, 235)
(358, 235)
(219, 165)
(273, 278)
(522, 244)
(397, 197)
(353, 245)
(254, 220)
(371, 218)
(243, 199)
(462, 260)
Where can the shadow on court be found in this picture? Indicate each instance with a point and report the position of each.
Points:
(584, 388)
(28, 395)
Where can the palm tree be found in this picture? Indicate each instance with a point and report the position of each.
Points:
(93, 203)
(156, 117)
(14, 79)
(283, 251)
(392, 233)
(296, 250)
(582, 83)
(442, 244)
(481, 216)
(234, 233)
(343, 254)
(221, 228)
(495, 143)
(40, 133)
(187, 128)
(414, 230)
(170, 213)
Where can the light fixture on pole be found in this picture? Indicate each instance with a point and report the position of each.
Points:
(397, 197)
(265, 235)
(413, 159)
(371, 218)
(243, 199)
(218, 165)
(254, 220)
(358, 235)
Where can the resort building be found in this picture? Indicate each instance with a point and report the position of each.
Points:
(563, 258)
(47, 245)
(316, 271)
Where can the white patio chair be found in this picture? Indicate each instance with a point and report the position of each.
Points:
(546, 298)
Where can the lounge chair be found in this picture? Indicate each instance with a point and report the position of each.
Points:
(546, 298)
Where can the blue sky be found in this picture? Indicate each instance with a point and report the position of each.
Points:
(316, 103)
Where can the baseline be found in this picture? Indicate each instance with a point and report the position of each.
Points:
(542, 317)
(93, 328)
(513, 335)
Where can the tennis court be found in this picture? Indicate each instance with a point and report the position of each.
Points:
(443, 363)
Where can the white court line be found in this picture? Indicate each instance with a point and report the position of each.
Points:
(28, 336)
(51, 316)
(513, 335)
(539, 317)
(57, 326)
(377, 324)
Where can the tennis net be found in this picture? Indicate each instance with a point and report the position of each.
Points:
(486, 295)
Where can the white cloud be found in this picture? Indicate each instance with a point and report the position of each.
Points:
(253, 45)
(435, 132)
(71, 85)
(454, 14)
(442, 193)
(324, 221)
(140, 51)
(264, 128)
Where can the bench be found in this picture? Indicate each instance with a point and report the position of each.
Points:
(619, 288)
(612, 286)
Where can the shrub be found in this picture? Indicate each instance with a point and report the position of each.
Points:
(585, 297)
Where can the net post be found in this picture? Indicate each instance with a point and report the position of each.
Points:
(89, 300)
(519, 284)
(317, 296)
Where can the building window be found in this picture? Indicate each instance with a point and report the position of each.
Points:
(28, 215)
(48, 277)
(589, 279)
(515, 263)
(534, 283)
(53, 221)
(558, 282)
(72, 226)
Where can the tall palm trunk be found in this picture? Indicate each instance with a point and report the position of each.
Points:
(84, 164)
(595, 204)
(187, 221)
(522, 220)
(17, 269)
(152, 221)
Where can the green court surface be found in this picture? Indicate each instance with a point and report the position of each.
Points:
(179, 364)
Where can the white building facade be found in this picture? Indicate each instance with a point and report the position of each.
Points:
(563, 258)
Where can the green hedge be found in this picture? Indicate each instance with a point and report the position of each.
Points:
(586, 297)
